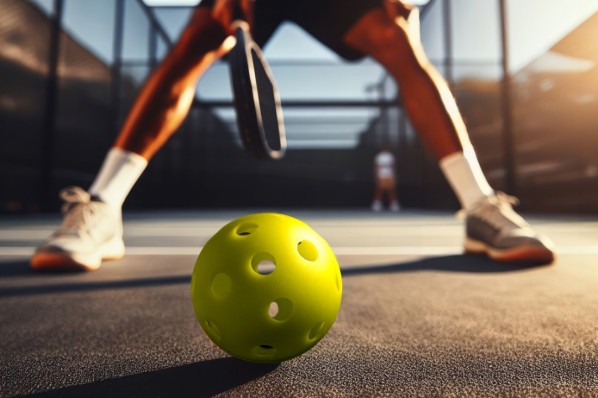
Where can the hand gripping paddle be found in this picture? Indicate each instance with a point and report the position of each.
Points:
(256, 98)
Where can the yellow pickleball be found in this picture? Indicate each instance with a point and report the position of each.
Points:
(266, 287)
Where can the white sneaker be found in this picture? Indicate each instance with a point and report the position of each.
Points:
(395, 207)
(377, 205)
(495, 229)
(90, 232)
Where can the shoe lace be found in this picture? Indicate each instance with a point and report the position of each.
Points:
(502, 200)
(78, 210)
(496, 210)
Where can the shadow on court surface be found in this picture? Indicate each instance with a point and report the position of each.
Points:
(90, 286)
(201, 379)
(13, 268)
(454, 263)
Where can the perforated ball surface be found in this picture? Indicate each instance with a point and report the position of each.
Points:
(266, 287)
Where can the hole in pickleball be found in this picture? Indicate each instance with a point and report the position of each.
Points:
(266, 267)
(221, 285)
(307, 250)
(212, 329)
(315, 331)
(273, 310)
(281, 309)
(264, 351)
(263, 263)
(246, 229)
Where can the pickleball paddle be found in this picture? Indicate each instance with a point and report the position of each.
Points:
(256, 98)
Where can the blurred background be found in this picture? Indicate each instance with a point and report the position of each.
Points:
(524, 72)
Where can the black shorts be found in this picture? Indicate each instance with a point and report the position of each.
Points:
(326, 20)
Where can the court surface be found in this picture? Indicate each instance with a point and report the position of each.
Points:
(417, 317)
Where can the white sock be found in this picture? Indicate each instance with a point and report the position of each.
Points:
(466, 177)
(120, 171)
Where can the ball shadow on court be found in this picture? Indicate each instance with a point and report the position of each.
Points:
(200, 379)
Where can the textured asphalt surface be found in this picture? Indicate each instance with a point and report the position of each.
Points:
(417, 317)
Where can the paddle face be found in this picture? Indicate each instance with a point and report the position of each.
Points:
(256, 98)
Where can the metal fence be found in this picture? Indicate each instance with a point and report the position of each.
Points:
(81, 63)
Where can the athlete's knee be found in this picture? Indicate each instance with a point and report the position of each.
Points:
(202, 34)
(389, 38)
(405, 18)
(397, 8)
(388, 30)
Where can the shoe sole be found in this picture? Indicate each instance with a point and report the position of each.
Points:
(65, 261)
(529, 254)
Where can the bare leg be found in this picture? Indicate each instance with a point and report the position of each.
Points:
(378, 194)
(391, 194)
(492, 227)
(390, 35)
(428, 100)
(166, 98)
(160, 108)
